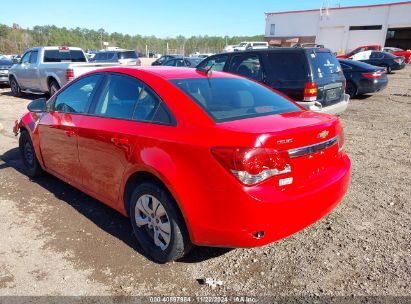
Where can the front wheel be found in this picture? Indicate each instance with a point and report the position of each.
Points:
(158, 224)
(30, 161)
(15, 88)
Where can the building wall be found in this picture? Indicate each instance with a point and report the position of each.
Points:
(332, 27)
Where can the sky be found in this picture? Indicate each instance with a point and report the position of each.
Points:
(162, 18)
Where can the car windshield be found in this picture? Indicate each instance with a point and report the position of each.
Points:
(324, 64)
(227, 99)
(64, 55)
(243, 44)
(127, 55)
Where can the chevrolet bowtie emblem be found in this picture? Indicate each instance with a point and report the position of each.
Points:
(323, 134)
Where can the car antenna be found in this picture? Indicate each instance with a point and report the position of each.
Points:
(206, 71)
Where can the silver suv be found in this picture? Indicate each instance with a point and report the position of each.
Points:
(125, 57)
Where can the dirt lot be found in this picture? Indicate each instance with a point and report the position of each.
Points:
(54, 240)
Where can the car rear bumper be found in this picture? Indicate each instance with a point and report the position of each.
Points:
(273, 214)
(372, 85)
(335, 109)
(398, 66)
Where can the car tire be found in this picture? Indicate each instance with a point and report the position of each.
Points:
(53, 87)
(389, 70)
(15, 88)
(28, 154)
(157, 223)
(351, 89)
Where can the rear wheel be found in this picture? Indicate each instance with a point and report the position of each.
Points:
(53, 87)
(30, 161)
(388, 68)
(158, 224)
(351, 89)
(15, 88)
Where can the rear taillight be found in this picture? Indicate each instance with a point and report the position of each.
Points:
(377, 74)
(253, 165)
(398, 60)
(69, 74)
(138, 62)
(310, 91)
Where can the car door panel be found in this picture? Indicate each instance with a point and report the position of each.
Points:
(58, 129)
(58, 144)
(104, 146)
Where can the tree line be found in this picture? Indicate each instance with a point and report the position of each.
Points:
(15, 40)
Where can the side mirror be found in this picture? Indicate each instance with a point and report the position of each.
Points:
(37, 105)
(15, 60)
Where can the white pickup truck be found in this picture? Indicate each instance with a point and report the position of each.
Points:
(44, 70)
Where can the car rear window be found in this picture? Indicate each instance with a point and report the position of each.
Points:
(285, 66)
(127, 55)
(324, 64)
(64, 55)
(227, 99)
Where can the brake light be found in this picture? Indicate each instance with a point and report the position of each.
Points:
(398, 60)
(253, 165)
(138, 62)
(69, 74)
(377, 74)
(310, 91)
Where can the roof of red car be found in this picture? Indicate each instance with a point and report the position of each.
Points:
(171, 72)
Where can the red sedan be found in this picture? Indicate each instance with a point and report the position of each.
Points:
(191, 157)
(399, 52)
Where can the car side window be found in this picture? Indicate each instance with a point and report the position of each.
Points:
(77, 97)
(215, 63)
(26, 58)
(101, 56)
(147, 105)
(180, 63)
(110, 56)
(287, 66)
(171, 62)
(118, 97)
(33, 57)
(248, 66)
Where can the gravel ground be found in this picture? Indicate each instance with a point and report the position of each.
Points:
(54, 240)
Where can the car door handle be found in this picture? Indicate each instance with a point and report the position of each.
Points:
(120, 142)
(70, 133)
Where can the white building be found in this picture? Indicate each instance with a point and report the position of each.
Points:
(343, 29)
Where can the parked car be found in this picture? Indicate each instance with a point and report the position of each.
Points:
(399, 52)
(191, 157)
(372, 47)
(5, 66)
(362, 77)
(44, 70)
(163, 59)
(251, 45)
(205, 55)
(382, 59)
(229, 48)
(120, 56)
(190, 62)
(310, 76)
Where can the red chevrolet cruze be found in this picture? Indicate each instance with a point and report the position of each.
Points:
(191, 157)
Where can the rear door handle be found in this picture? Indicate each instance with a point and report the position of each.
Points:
(120, 142)
(70, 133)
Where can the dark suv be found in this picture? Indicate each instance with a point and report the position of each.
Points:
(311, 76)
